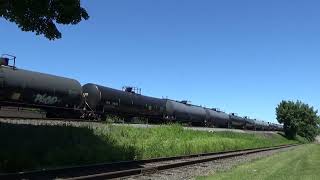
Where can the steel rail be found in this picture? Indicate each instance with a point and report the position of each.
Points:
(130, 168)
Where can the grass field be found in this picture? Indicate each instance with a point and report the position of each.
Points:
(302, 163)
(25, 147)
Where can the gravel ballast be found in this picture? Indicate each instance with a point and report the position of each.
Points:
(41, 122)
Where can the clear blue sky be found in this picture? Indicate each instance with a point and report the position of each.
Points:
(240, 56)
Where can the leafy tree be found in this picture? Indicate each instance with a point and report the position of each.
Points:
(286, 115)
(298, 118)
(40, 16)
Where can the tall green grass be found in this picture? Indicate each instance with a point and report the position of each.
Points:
(173, 140)
(26, 147)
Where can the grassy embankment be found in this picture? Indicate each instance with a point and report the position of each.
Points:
(301, 163)
(25, 147)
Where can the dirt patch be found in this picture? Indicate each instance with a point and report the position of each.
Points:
(318, 139)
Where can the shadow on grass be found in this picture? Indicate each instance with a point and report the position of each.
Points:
(282, 134)
(29, 147)
(297, 138)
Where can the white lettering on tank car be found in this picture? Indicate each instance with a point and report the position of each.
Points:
(45, 99)
(15, 96)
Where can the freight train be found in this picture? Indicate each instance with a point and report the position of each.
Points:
(66, 98)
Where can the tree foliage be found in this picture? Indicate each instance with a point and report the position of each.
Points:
(298, 118)
(40, 16)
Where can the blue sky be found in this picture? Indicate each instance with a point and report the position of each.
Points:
(240, 56)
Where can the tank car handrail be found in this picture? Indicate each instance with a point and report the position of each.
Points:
(12, 58)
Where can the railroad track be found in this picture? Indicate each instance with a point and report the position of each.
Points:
(46, 121)
(130, 168)
(21, 119)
